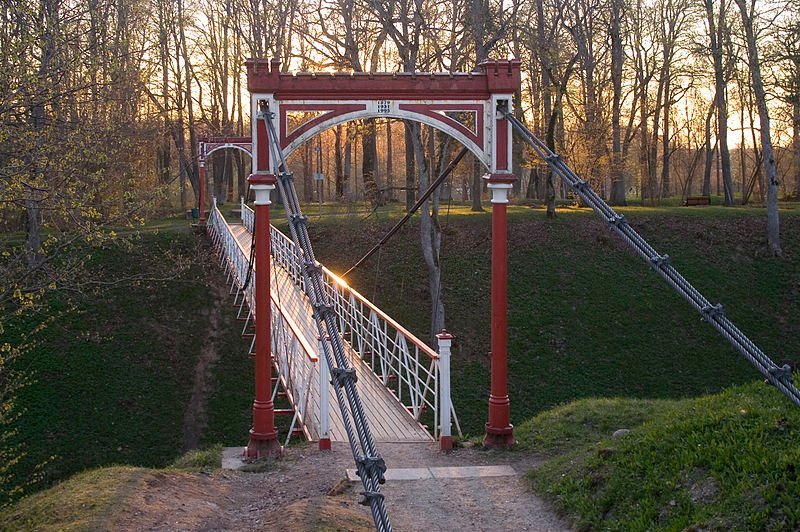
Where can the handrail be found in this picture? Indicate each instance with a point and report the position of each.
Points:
(425, 348)
(391, 351)
(294, 372)
(296, 331)
(247, 221)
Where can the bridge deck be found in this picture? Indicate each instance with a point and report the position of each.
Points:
(389, 420)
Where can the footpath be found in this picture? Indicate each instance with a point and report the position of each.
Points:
(465, 490)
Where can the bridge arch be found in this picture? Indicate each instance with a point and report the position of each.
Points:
(207, 146)
(449, 129)
(466, 106)
(247, 151)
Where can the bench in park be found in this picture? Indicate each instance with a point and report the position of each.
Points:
(692, 201)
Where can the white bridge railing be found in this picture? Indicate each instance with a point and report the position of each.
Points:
(418, 376)
(296, 359)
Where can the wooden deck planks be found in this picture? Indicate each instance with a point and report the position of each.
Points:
(388, 419)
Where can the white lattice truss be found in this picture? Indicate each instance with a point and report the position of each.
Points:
(392, 352)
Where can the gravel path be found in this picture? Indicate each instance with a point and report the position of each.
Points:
(494, 503)
(307, 489)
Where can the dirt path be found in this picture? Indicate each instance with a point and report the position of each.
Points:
(307, 489)
(294, 495)
(195, 418)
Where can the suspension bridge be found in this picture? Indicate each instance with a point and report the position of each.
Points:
(326, 343)
(400, 377)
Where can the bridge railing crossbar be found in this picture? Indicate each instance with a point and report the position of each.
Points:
(407, 366)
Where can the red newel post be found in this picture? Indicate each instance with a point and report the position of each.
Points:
(499, 431)
(263, 436)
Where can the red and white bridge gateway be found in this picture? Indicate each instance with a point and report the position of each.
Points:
(467, 106)
(206, 148)
(463, 105)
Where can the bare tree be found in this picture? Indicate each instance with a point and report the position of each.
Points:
(717, 28)
(787, 55)
(582, 21)
(748, 14)
(618, 188)
(675, 19)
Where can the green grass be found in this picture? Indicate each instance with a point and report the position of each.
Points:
(94, 498)
(721, 462)
(112, 369)
(585, 421)
(200, 459)
(111, 372)
(587, 318)
(79, 503)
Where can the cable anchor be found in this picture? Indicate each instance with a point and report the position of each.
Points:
(312, 266)
(660, 261)
(581, 186)
(369, 496)
(320, 309)
(340, 376)
(373, 464)
(713, 311)
(783, 373)
(299, 219)
(617, 220)
(284, 177)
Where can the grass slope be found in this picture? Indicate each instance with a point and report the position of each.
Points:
(99, 499)
(79, 503)
(587, 318)
(721, 462)
(111, 373)
(113, 369)
(188, 495)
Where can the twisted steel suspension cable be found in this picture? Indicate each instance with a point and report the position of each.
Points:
(370, 465)
(780, 377)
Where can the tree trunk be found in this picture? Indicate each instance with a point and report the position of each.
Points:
(477, 186)
(716, 34)
(773, 222)
(389, 163)
(33, 243)
(709, 149)
(796, 143)
(549, 115)
(229, 166)
(642, 82)
(533, 183)
(618, 187)
(410, 181)
(339, 159)
(550, 191)
(666, 184)
(348, 166)
(307, 181)
(369, 163)
(430, 236)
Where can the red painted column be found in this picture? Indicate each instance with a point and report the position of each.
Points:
(202, 190)
(499, 431)
(263, 436)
